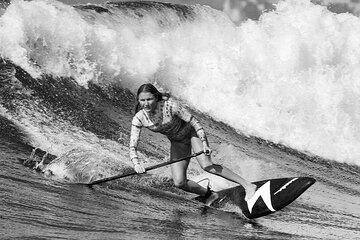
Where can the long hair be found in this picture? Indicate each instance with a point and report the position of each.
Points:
(148, 87)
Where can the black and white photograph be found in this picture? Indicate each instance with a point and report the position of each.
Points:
(180, 119)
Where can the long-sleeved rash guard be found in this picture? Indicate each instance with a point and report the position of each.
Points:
(170, 119)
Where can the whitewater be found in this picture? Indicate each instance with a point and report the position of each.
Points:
(291, 77)
(278, 97)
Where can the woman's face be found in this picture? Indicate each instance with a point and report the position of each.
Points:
(147, 101)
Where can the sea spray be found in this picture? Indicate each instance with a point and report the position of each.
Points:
(291, 77)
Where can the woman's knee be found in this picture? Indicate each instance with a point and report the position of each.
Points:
(180, 183)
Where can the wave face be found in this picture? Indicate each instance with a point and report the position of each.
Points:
(291, 77)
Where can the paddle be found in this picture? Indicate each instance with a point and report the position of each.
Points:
(146, 169)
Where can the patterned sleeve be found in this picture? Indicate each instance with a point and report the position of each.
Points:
(136, 126)
(185, 115)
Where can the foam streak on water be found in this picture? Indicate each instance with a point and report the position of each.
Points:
(291, 77)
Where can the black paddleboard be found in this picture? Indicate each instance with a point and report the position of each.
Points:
(271, 195)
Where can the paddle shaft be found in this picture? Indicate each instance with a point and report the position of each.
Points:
(146, 169)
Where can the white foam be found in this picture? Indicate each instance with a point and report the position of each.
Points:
(291, 77)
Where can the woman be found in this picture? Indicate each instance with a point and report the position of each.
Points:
(164, 115)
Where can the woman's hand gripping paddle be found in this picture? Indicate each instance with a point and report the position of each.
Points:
(146, 169)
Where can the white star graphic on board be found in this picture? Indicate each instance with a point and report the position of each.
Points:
(264, 192)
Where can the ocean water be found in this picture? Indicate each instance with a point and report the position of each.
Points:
(277, 97)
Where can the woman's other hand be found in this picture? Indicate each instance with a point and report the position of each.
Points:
(207, 150)
(139, 168)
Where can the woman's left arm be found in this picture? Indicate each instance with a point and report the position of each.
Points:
(185, 115)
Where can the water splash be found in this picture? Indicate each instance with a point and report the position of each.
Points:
(290, 77)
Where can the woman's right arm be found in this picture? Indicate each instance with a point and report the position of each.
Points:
(134, 140)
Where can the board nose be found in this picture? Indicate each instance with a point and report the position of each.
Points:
(308, 181)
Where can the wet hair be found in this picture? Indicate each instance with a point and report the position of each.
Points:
(148, 87)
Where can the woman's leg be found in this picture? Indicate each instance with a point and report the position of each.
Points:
(178, 170)
(206, 164)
